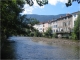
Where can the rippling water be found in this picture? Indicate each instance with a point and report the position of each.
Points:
(25, 48)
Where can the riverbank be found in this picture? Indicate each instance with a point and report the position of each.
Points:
(57, 41)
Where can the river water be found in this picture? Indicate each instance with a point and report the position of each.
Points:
(25, 48)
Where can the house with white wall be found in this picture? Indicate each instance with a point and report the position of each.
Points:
(54, 26)
(74, 17)
(62, 24)
(39, 27)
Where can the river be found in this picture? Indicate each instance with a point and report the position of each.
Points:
(25, 48)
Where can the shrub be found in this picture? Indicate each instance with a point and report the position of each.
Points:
(55, 35)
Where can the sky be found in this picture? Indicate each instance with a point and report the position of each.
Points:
(54, 7)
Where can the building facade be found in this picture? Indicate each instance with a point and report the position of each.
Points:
(65, 23)
(54, 26)
(39, 27)
(62, 24)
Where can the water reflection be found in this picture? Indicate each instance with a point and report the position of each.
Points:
(7, 51)
(29, 49)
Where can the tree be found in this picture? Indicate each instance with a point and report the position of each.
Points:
(39, 2)
(10, 17)
(76, 32)
(44, 2)
(70, 2)
(33, 21)
(48, 33)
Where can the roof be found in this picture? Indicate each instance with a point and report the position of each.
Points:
(69, 15)
(65, 17)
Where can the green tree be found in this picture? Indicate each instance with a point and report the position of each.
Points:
(70, 2)
(33, 21)
(10, 17)
(39, 2)
(76, 31)
(44, 2)
(37, 33)
(48, 33)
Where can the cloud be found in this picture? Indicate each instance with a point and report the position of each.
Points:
(36, 5)
(54, 2)
(27, 9)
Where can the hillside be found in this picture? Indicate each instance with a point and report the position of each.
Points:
(43, 18)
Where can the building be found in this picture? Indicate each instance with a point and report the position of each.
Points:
(54, 26)
(64, 24)
(74, 17)
(42, 27)
(46, 25)
(39, 27)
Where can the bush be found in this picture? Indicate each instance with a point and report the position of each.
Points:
(70, 37)
(48, 33)
(74, 36)
(31, 34)
(55, 35)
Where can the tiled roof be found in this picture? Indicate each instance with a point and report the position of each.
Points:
(65, 17)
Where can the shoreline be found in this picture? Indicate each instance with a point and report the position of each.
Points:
(57, 41)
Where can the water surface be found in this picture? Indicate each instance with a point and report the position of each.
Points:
(25, 48)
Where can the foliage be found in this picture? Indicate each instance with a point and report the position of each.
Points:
(10, 18)
(48, 33)
(33, 21)
(39, 2)
(74, 36)
(36, 33)
(33, 32)
(76, 32)
(44, 2)
(55, 35)
(70, 2)
(70, 37)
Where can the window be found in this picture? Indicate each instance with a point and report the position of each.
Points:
(59, 29)
(40, 28)
(54, 30)
(55, 26)
(64, 24)
(69, 23)
(74, 15)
